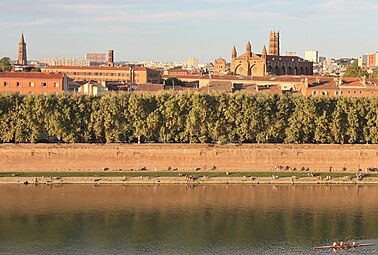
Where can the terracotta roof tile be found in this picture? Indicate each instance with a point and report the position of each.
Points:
(149, 87)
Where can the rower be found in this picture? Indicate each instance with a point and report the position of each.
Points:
(341, 244)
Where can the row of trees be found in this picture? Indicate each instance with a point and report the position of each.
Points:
(188, 118)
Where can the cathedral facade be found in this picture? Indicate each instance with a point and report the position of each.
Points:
(264, 64)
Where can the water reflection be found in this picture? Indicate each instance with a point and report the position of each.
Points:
(179, 219)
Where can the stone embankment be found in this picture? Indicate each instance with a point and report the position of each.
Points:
(184, 157)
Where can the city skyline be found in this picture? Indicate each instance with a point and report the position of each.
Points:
(168, 30)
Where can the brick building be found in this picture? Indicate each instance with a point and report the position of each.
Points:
(34, 82)
(347, 87)
(220, 66)
(138, 75)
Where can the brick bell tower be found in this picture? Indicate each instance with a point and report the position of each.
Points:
(274, 43)
(110, 57)
(22, 57)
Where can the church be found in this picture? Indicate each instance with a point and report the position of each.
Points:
(264, 64)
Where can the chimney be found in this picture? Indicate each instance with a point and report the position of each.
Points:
(110, 57)
(306, 83)
(335, 81)
(363, 81)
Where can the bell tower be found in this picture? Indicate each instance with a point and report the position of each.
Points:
(22, 57)
(110, 57)
(274, 43)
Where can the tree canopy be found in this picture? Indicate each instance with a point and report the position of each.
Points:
(5, 65)
(174, 81)
(374, 73)
(188, 118)
(355, 71)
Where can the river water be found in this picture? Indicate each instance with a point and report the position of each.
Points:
(179, 219)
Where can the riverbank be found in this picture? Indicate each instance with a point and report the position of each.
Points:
(185, 157)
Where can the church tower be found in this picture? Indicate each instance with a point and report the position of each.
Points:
(263, 54)
(248, 49)
(110, 57)
(274, 43)
(234, 54)
(22, 58)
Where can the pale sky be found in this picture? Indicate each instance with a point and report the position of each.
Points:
(174, 30)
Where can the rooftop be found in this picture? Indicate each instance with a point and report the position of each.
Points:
(31, 75)
(96, 68)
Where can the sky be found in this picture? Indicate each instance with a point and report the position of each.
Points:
(174, 30)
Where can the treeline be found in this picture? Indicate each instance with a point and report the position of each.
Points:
(188, 118)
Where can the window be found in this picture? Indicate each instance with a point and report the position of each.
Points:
(19, 84)
(5, 84)
(31, 84)
(44, 84)
(314, 93)
(337, 93)
(56, 84)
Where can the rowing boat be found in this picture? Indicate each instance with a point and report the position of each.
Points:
(345, 246)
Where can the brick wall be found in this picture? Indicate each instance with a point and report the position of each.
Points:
(88, 157)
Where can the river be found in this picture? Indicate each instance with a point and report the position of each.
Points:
(179, 219)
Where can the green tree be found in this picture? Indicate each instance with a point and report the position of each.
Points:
(69, 117)
(140, 107)
(174, 111)
(355, 71)
(8, 108)
(282, 109)
(339, 121)
(33, 69)
(375, 73)
(200, 119)
(371, 128)
(323, 119)
(301, 125)
(174, 81)
(5, 65)
(232, 116)
(219, 128)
